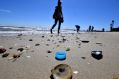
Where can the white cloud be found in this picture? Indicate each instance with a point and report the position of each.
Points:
(5, 10)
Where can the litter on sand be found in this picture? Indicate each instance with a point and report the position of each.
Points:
(84, 41)
(60, 55)
(61, 71)
(75, 72)
(97, 55)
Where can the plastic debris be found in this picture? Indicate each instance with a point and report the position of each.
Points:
(61, 71)
(97, 55)
(75, 72)
(60, 55)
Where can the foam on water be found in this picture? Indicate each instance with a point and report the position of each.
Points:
(14, 33)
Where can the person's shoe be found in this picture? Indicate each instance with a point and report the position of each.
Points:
(51, 31)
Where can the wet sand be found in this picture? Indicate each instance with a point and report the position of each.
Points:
(36, 63)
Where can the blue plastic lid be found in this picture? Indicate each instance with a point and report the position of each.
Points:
(60, 55)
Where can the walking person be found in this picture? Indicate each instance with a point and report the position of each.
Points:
(92, 29)
(89, 28)
(57, 16)
(77, 28)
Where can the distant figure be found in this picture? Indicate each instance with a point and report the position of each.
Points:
(92, 29)
(111, 25)
(58, 16)
(103, 30)
(77, 28)
(112, 22)
(89, 28)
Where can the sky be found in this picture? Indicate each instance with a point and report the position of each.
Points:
(98, 13)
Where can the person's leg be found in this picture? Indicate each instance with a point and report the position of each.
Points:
(77, 30)
(53, 26)
(59, 26)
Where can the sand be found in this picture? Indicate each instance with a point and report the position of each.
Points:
(36, 63)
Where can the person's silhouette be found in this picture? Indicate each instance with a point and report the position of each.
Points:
(92, 28)
(58, 17)
(89, 28)
(77, 28)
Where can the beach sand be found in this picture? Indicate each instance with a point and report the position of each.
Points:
(36, 63)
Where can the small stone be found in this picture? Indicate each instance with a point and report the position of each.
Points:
(49, 51)
(68, 49)
(77, 38)
(47, 44)
(51, 36)
(63, 39)
(58, 45)
(98, 43)
(11, 48)
(20, 49)
(2, 50)
(16, 55)
(83, 57)
(84, 41)
(60, 41)
(79, 44)
(43, 36)
(48, 40)
(5, 55)
(52, 40)
(30, 40)
(37, 44)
